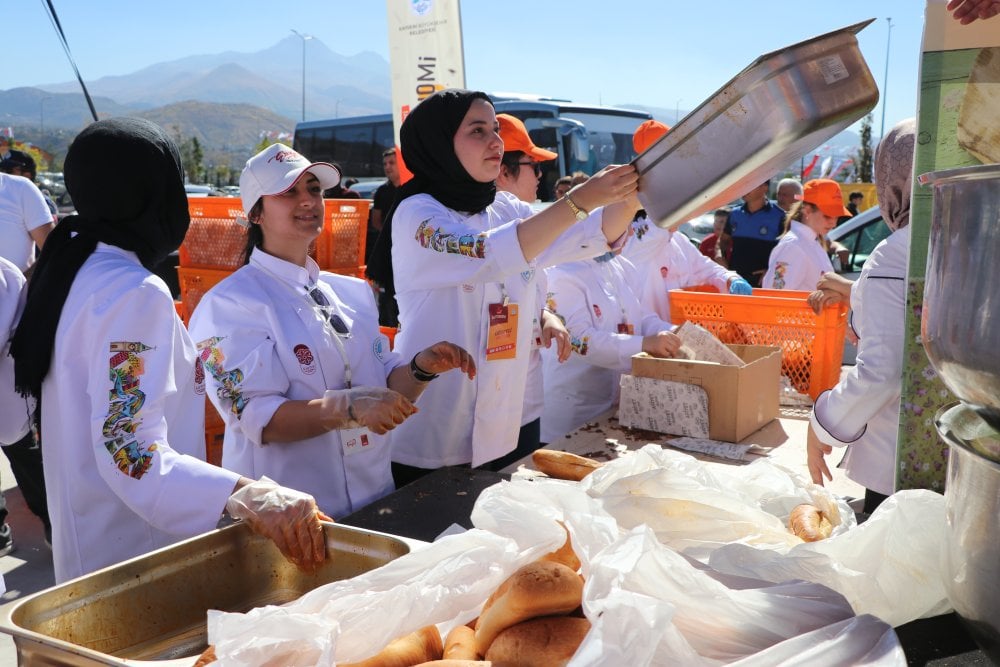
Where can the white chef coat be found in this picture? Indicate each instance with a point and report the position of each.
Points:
(123, 422)
(593, 298)
(22, 209)
(448, 269)
(264, 341)
(534, 387)
(863, 409)
(798, 261)
(667, 260)
(14, 410)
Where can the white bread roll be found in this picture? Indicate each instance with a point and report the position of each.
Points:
(412, 649)
(541, 588)
(540, 642)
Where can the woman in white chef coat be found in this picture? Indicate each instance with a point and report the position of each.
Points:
(862, 411)
(666, 260)
(122, 407)
(462, 258)
(607, 326)
(800, 258)
(293, 357)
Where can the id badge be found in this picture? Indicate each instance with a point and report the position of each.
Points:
(355, 441)
(501, 339)
(626, 328)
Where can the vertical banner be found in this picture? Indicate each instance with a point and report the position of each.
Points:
(425, 52)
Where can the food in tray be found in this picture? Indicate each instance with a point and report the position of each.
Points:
(460, 644)
(545, 641)
(810, 523)
(206, 658)
(563, 465)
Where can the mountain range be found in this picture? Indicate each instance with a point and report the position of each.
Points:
(227, 100)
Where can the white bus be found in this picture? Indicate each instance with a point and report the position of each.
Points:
(587, 138)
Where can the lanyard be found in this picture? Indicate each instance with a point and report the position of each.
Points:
(327, 312)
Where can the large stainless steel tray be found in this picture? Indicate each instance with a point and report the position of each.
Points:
(151, 610)
(784, 104)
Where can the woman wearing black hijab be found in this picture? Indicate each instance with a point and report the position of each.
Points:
(463, 263)
(122, 400)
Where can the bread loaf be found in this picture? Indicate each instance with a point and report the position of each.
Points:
(412, 649)
(541, 588)
(564, 554)
(455, 663)
(461, 644)
(540, 642)
(206, 658)
(809, 523)
(563, 465)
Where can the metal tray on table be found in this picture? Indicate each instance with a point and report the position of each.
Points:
(151, 610)
(783, 105)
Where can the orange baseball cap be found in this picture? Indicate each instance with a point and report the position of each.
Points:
(647, 133)
(515, 138)
(824, 194)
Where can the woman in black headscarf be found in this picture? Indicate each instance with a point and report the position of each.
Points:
(122, 400)
(463, 263)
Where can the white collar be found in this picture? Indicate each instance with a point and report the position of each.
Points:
(127, 254)
(804, 231)
(298, 276)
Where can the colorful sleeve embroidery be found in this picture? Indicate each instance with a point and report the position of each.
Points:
(780, 268)
(125, 401)
(230, 383)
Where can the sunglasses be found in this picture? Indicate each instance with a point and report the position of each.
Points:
(336, 321)
(536, 166)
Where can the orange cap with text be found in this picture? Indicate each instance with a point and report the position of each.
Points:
(647, 134)
(515, 138)
(824, 194)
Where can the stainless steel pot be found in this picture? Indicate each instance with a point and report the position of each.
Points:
(960, 323)
(971, 557)
(782, 105)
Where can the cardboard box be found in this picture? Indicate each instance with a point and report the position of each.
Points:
(740, 399)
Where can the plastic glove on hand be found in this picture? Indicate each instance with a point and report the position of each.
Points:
(376, 408)
(740, 286)
(287, 517)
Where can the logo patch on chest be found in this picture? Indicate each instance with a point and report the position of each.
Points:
(307, 362)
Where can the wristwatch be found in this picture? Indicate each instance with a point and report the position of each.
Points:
(578, 212)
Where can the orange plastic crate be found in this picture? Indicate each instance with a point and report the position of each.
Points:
(194, 283)
(213, 444)
(214, 240)
(340, 247)
(812, 345)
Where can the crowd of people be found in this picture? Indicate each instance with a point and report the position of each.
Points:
(515, 325)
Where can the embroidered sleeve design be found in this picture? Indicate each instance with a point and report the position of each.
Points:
(125, 401)
(780, 268)
(435, 239)
(230, 382)
(580, 345)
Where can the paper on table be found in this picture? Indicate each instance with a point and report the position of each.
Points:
(722, 450)
(706, 347)
(663, 406)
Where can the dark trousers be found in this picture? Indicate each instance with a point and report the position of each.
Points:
(25, 458)
(872, 500)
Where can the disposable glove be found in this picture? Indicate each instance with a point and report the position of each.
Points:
(740, 286)
(287, 517)
(375, 408)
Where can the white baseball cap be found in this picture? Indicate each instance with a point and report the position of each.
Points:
(276, 169)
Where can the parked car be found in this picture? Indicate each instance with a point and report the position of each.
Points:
(367, 188)
(859, 236)
(698, 228)
(195, 190)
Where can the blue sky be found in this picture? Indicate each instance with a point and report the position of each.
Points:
(661, 53)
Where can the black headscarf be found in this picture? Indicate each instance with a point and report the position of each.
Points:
(127, 184)
(427, 140)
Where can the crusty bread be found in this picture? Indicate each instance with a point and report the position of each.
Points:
(541, 588)
(540, 642)
(455, 663)
(207, 657)
(564, 554)
(563, 465)
(412, 649)
(460, 644)
(809, 523)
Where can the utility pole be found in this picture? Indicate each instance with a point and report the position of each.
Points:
(304, 39)
(885, 79)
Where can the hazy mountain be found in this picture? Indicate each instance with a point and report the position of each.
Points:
(271, 78)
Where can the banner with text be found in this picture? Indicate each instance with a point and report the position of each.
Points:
(425, 52)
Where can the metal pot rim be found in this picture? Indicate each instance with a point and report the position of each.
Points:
(979, 171)
(943, 422)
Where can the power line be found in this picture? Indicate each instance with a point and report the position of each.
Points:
(54, 18)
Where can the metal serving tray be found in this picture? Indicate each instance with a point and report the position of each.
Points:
(151, 610)
(783, 105)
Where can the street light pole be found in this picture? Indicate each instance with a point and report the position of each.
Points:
(304, 39)
(677, 112)
(885, 79)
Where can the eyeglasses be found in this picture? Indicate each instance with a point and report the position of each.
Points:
(537, 166)
(336, 321)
